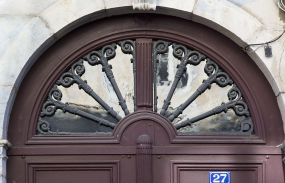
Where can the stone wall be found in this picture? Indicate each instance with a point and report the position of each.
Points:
(28, 27)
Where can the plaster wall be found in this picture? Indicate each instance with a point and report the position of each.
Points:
(28, 26)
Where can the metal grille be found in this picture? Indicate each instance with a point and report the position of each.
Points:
(74, 76)
(232, 116)
(56, 115)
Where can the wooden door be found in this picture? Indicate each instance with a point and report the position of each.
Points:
(150, 141)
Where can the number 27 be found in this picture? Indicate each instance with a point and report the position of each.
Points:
(217, 178)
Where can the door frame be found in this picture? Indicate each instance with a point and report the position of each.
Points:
(59, 57)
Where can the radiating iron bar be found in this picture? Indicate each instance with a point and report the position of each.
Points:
(187, 57)
(98, 57)
(129, 47)
(215, 76)
(240, 108)
(54, 102)
(74, 76)
(159, 47)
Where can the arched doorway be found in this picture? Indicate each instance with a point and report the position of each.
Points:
(144, 145)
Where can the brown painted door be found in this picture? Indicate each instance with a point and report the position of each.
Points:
(145, 146)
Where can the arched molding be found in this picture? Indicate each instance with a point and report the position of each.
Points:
(60, 17)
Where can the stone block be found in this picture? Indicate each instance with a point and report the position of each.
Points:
(226, 18)
(183, 5)
(281, 66)
(2, 179)
(114, 3)
(16, 55)
(281, 104)
(257, 8)
(10, 28)
(277, 85)
(5, 92)
(1, 124)
(2, 131)
(272, 63)
(64, 12)
(29, 8)
(2, 111)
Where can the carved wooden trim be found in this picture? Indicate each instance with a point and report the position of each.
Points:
(144, 159)
(152, 116)
(156, 150)
(144, 98)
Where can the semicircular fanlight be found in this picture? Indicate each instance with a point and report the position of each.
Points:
(197, 96)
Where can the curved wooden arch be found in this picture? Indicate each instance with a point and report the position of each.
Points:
(144, 115)
(34, 155)
(59, 57)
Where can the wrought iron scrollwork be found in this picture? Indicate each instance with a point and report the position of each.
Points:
(187, 57)
(215, 76)
(43, 127)
(54, 102)
(74, 76)
(235, 102)
(246, 126)
(129, 47)
(102, 57)
(159, 47)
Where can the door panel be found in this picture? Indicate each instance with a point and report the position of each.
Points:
(74, 169)
(195, 168)
(203, 176)
(70, 176)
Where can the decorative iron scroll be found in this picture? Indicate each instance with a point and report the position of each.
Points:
(159, 47)
(101, 57)
(73, 76)
(129, 47)
(187, 57)
(235, 106)
(215, 75)
(235, 102)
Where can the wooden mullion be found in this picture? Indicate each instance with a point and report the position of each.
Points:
(144, 74)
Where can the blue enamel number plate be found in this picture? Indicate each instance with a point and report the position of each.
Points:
(219, 177)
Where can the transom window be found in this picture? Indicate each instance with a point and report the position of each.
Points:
(189, 89)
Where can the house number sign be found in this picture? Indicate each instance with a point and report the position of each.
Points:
(219, 177)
